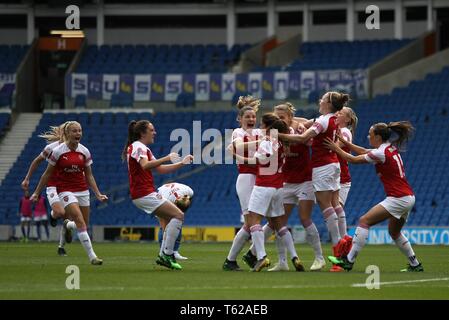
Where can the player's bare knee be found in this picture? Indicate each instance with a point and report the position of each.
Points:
(364, 221)
(179, 216)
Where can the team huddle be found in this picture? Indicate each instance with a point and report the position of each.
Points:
(287, 161)
(312, 158)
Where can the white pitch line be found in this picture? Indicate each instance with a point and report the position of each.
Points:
(357, 285)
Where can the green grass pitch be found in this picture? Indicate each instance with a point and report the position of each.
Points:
(34, 271)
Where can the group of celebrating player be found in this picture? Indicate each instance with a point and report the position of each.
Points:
(69, 175)
(310, 158)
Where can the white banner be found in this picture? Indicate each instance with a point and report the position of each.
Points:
(142, 87)
(307, 83)
(111, 85)
(227, 86)
(281, 85)
(173, 86)
(202, 87)
(255, 84)
(79, 84)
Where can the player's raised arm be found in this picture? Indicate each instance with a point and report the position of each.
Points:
(167, 168)
(42, 182)
(359, 159)
(299, 138)
(33, 166)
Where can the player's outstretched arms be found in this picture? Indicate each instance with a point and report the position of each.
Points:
(360, 159)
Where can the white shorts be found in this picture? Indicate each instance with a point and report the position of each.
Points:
(343, 192)
(268, 202)
(81, 197)
(295, 192)
(399, 207)
(40, 218)
(150, 202)
(25, 219)
(52, 195)
(244, 186)
(326, 178)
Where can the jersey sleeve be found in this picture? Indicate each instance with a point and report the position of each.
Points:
(46, 152)
(139, 151)
(320, 124)
(150, 155)
(265, 150)
(375, 156)
(346, 134)
(54, 156)
(88, 162)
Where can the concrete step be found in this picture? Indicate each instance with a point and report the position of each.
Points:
(13, 143)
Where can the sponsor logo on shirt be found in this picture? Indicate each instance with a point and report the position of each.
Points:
(74, 169)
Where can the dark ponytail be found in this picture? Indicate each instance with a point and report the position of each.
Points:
(268, 119)
(281, 126)
(272, 121)
(398, 133)
(135, 130)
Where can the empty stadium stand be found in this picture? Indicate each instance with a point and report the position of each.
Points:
(328, 55)
(425, 103)
(11, 56)
(159, 59)
(4, 122)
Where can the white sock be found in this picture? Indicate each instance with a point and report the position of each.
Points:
(286, 237)
(341, 220)
(87, 245)
(172, 232)
(258, 240)
(358, 241)
(406, 248)
(71, 225)
(282, 250)
(313, 238)
(61, 237)
(332, 224)
(267, 232)
(239, 241)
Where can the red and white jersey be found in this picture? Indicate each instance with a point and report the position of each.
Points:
(247, 136)
(297, 167)
(46, 153)
(175, 191)
(70, 166)
(40, 208)
(141, 182)
(390, 169)
(345, 176)
(325, 127)
(270, 156)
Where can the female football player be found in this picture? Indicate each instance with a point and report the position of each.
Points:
(387, 140)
